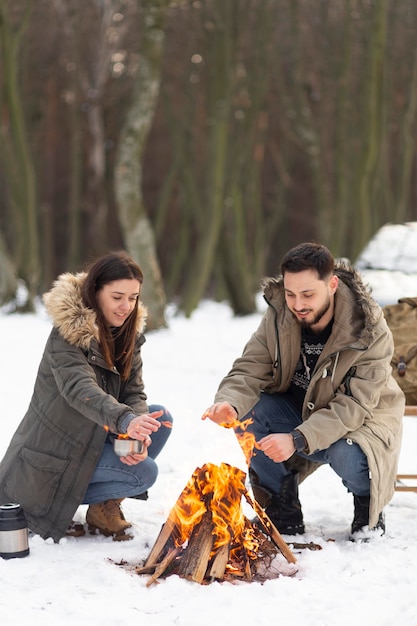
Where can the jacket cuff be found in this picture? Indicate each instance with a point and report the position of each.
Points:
(124, 421)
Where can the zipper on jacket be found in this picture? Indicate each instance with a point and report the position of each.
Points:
(275, 363)
(276, 359)
(335, 365)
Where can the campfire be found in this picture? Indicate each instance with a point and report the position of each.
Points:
(207, 537)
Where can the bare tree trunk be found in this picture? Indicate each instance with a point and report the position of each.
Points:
(221, 204)
(70, 14)
(16, 152)
(209, 221)
(8, 279)
(342, 172)
(372, 129)
(93, 82)
(308, 130)
(408, 149)
(136, 227)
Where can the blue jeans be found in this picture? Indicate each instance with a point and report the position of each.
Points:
(113, 479)
(276, 413)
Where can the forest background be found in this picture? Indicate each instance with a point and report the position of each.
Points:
(206, 137)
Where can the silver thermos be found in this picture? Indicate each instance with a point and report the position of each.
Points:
(14, 535)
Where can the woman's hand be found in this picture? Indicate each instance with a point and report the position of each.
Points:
(134, 459)
(141, 428)
(144, 425)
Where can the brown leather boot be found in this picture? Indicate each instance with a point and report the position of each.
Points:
(107, 518)
(75, 529)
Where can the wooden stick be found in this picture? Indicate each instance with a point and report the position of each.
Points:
(219, 564)
(169, 528)
(162, 566)
(247, 569)
(194, 562)
(164, 534)
(270, 529)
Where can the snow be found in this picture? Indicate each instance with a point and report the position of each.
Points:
(392, 248)
(80, 581)
(388, 262)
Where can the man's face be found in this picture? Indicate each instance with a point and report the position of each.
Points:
(310, 299)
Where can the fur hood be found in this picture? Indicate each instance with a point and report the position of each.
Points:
(76, 322)
(365, 305)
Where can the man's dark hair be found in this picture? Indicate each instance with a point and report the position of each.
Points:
(309, 256)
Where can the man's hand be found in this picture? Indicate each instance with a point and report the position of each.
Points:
(221, 413)
(278, 447)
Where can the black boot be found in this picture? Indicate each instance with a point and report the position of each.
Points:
(140, 496)
(361, 517)
(283, 508)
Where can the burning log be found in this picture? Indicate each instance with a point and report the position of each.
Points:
(194, 562)
(207, 537)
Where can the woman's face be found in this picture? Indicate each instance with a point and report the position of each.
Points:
(117, 300)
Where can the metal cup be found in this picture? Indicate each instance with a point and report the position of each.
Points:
(14, 536)
(125, 446)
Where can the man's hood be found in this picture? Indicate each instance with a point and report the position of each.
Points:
(365, 306)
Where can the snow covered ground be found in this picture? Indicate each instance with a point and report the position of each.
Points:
(388, 262)
(79, 582)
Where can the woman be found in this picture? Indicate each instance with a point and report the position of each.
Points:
(88, 390)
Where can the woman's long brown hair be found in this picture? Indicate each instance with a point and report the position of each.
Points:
(117, 348)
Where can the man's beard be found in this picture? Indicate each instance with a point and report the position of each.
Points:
(318, 316)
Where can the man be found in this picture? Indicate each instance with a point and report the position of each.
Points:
(315, 380)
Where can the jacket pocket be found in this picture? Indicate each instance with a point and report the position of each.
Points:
(33, 480)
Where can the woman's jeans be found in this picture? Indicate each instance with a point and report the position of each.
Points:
(275, 413)
(113, 479)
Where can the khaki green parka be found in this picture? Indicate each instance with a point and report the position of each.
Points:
(352, 393)
(54, 451)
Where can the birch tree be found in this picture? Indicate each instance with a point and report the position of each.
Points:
(135, 224)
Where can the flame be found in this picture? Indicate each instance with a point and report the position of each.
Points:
(166, 424)
(246, 439)
(219, 490)
(119, 436)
